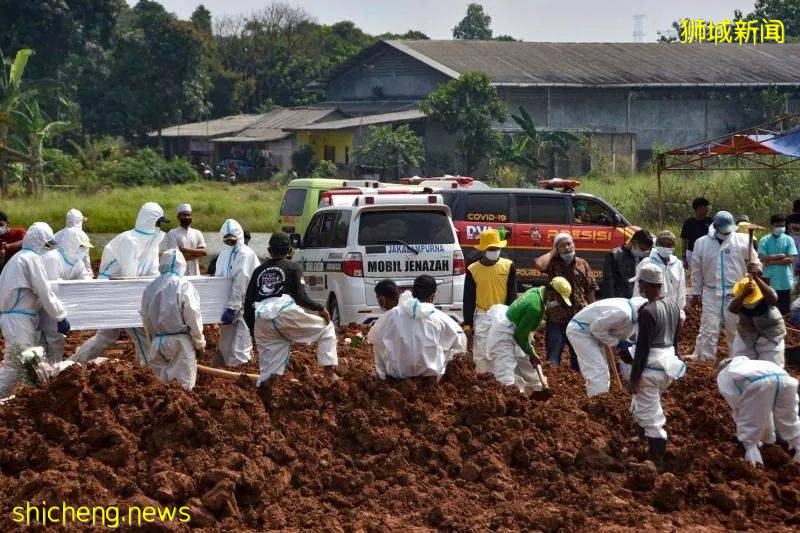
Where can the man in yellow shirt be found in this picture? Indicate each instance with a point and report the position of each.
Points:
(491, 280)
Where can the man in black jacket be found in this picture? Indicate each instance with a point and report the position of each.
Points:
(278, 312)
(620, 265)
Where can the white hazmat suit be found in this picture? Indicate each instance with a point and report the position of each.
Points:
(133, 253)
(171, 317)
(279, 322)
(24, 290)
(65, 263)
(509, 363)
(674, 286)
(415, 339)
(75, 220)
(599, 324)
(237, 262)
(763, 398)
(715, 268)
(662, 368)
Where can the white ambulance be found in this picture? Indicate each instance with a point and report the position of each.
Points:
(350, 246)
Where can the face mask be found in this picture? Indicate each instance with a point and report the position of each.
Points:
(721, 236)
(638, 252)
(551, 304)
(778, 231)
(185, 222)
(664, 252)
(492, 255)
(567, 258)
(230, 242)
(3, 230)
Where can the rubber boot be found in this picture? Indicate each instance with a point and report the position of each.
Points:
(657, 451)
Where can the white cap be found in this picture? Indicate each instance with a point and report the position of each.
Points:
(184, 208)
(649, 273)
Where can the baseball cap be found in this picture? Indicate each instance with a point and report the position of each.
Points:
(279, 240)
(723, 222)
(563, 288)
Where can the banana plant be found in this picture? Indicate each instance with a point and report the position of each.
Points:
(36, 129)
(13, 95)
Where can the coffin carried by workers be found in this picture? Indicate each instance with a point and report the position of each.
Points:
(110, 304)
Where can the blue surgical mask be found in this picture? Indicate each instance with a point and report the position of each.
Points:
(780, 230)
(567, 258)
(664, 252)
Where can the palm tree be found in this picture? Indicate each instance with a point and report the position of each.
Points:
(12, 96)
(37, 129)
(525, 148)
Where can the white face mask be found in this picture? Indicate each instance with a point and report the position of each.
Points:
(664, 252)
(638, 252)
(551, 304)
(492, 255)
(3, 230)
(722, 236)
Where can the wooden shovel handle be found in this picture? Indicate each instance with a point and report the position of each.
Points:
(227, 374)
(612, 366)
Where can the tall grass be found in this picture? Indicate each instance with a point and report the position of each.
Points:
(255, 206)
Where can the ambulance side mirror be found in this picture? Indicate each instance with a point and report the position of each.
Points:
(296, 240)
(617, 220)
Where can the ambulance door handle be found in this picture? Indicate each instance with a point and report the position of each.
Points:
(526, 232)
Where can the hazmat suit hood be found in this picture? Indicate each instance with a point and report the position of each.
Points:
(70, 245)
(172, 263)
(74, 219)
(231, 227)
(149, 214)
(37, 236)
(413, 307)
(637, 302)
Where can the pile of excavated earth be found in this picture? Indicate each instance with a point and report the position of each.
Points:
(360, 454)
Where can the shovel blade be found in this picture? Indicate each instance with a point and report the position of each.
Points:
(541, 395)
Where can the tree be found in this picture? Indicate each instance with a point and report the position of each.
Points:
(13, 96)
(468, 106)
(201, 19)
(506, 38)
(787, 12)
(387, 147)
(525, 149)
(475, 26)
(36, 128)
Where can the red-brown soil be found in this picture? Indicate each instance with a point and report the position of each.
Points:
(467, 454)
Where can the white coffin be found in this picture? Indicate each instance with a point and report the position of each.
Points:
(107, 304)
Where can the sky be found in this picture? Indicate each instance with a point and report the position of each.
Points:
(529, 20)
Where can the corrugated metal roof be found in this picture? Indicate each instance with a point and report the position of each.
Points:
(271, 125)
(210, 128)
(601, 64)
(368, 120)
(613, 64)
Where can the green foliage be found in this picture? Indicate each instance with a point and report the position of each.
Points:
(303, 160)
(525, 149)
(201, 19)
(506, 176)
(387, 147)
(324, 169)
(475, 26)
(147, 167)
(468, 106)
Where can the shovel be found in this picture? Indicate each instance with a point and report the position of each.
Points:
(612, 366)
(226, 374)
(544, 394)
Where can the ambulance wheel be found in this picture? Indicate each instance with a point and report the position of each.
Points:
(333, 309)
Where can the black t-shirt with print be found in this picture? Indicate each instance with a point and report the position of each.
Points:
(274, 278)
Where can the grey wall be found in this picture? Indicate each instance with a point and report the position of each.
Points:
(398, 75)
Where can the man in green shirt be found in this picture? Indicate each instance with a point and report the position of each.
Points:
(510, 355)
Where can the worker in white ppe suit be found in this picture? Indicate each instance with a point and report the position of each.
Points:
(236, 261)
(65, 262)
(763, 398)
(171, 317)
(719, 260)
(133, 253)
(603, 323)
(415, 339)
(655, 364)
(24, 290)
(75, 220)
(663, 256)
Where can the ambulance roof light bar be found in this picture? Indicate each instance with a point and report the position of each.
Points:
(398, 199)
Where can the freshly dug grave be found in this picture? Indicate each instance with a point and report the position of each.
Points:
(359, 454)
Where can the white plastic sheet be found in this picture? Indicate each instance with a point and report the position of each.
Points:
(115, 304)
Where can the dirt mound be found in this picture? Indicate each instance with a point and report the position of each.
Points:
(360, 454)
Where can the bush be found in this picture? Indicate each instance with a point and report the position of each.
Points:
(147, 167)
(303, 160)
(324, 169)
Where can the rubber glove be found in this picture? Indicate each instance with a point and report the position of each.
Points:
(753, 455)
(63, 327)
(228, 316)
(624, 345)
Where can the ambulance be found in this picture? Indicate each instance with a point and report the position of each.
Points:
(350, 246)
